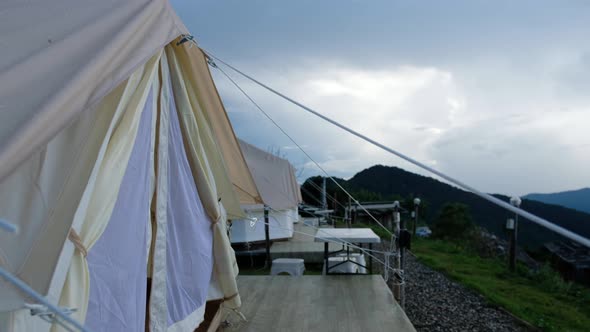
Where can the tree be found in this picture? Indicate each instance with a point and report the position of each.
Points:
(453, 221)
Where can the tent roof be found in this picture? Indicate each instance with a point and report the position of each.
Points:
(61, 57)
(274, 177)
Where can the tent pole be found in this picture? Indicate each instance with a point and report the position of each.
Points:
(397, 291)
(8, 227)
(40, 299)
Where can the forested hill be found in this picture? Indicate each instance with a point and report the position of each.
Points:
(382, 183)
(573, 199)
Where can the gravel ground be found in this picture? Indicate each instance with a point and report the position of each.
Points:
(435, 303)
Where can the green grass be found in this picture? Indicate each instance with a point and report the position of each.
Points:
(540, 298)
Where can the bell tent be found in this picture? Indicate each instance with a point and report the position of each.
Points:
(276, 182)
(119, 166)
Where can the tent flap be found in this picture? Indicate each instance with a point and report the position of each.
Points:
(205, 98)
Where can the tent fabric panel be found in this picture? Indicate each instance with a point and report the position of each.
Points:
(202, 90)
(202, 155)
(225, 266)
(42, 196)
(189, 241)
(71, 54)
(104, 193)
(198, 134)
(117, 261)
(159, 306)
(158, 311)
(50, 192)
(274, 177)
(215, 292)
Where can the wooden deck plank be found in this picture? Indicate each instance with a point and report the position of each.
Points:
(317, 303)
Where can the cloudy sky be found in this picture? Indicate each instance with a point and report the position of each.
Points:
(493, 93)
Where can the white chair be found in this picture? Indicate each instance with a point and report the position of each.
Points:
(336, 265)
(292, 266)
(359, 258)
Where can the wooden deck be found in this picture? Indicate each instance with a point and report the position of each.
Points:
(316, 303)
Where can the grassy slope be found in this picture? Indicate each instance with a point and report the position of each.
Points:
(542, 299)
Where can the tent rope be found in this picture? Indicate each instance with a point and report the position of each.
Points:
(77, 241)
(536, 219)
(43, 301)
(294, 142)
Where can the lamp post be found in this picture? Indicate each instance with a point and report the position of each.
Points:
(514, 201)
(416, 205)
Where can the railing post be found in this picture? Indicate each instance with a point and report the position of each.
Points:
(268, 262)
(397, 292)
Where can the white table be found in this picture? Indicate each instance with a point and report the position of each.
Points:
(344, 236)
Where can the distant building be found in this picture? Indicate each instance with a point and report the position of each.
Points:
(382, 211)
(571, 259)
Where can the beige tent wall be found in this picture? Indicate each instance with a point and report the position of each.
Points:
(199, 140)
(59, 58)
(204, 93)
(274, 177)
(96, 135)
(44, 196)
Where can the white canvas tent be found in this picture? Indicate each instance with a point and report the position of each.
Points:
(276, 182)
(117, 163)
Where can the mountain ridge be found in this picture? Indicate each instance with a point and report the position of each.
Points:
(381, 182)
(578, 199)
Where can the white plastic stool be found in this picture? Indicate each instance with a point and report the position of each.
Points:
(292, 266)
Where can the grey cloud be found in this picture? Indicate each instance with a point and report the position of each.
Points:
(511, 120)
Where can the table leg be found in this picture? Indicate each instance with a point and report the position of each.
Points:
(361, 252)
(370, 258)
(326, 255)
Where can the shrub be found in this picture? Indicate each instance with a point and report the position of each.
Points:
(453, 222)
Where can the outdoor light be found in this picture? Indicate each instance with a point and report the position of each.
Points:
(510, 224)
(396, 204)
(515, 201)
(415, 214)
